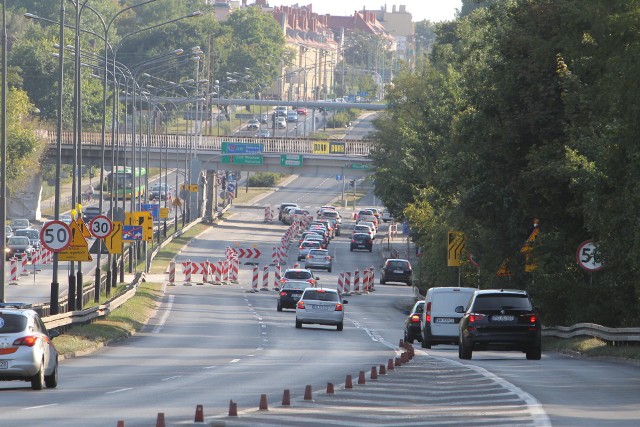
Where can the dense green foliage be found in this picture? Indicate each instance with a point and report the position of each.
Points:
(263, 179)
(525, 109)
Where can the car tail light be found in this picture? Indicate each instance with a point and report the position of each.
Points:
(301, 305)
(309, 256)
(428, 318)
(476, 317)
(300, 248)
(415, 319)
(327, 257)
(427, 314)
(283, 294)
(338, 307)
(533, 319)
(28, 341)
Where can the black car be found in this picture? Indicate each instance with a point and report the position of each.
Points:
(396, 270)
(412, 328)
(361, 241)
(159, 191)
(498, 319)
(90, 212)
(290, 293)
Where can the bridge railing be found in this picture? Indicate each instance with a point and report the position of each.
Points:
(356, 148)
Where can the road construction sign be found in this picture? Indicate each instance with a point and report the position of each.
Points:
(78, 249)
(455, 247)
(113, 241)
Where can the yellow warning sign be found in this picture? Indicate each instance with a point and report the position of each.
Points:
(164, 213)
(145, 219)
(504, 271)
(78, 249)
(457, 240)
(193, 188)
(85, 230)
(113, 241)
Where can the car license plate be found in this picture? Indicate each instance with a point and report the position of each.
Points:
(501, 318)
(444, 320)
(320, 307)
(4, 364)
(361, 246)
(398, 271)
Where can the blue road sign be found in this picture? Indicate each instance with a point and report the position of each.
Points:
(153, 209)
(131, 233)
(231, 187)
(338, 177)
(241, 148)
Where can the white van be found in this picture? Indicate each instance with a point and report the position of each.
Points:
(439, 319)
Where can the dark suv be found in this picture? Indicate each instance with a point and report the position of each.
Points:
(499, 319)
(397, 270)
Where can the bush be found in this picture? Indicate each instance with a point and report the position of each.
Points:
(263, 179)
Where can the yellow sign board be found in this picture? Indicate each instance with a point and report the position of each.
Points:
(193, 188)
(320, 147)
(455, 248)
(85, 230)
(113, 241)
(504, 271)
(78, 249)
(164, 213)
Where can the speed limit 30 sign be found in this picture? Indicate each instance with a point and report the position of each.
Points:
(100, 226)
(55, 236)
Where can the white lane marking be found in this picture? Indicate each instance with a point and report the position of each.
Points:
(540, 417)
(171, 378)
(210, 367)
(165, 315)
(39, 407)
(235, 360)
(259, 348)
(118, 391)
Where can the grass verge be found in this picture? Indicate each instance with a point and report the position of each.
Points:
(591, 347)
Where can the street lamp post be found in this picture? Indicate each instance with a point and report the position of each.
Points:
(3, 149)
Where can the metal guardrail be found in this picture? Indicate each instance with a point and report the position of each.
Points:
(612, 335)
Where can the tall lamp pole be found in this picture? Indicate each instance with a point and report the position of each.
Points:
(3, 150)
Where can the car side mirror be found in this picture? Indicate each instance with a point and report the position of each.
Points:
(459, 309)
(317, 278)
(54, 333)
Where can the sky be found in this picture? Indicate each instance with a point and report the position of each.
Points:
(433, 10)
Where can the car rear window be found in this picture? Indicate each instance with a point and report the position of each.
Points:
(397, 264)
(330, 214)
(310, 244)
(299, 285)
(319, 252)
(11, 323)
(497, 302)
(319, 295)
(299, 275)
(31, 234)
(361, 236)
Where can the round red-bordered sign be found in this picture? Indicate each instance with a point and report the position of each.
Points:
(587, 256)
(100, 226)
(472, 260)
(55, 236)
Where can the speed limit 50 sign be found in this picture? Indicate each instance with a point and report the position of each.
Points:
(588, 257)
(55, 236)
(100, 226)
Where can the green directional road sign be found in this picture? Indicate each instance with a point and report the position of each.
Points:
(242, 159)
(291, 160)
(360, 166)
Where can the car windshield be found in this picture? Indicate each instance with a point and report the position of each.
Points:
(295, 285)
(11, 323)
(319, 252)
(320, 295)
(20, 223)
(18, 240)
(31, 234)
(497, 302)
(397, 264)
(299, 275)
(419, 308)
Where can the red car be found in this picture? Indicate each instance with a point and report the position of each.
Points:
(302, 111)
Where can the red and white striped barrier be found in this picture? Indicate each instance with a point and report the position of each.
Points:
(35, 260)
(296, 265)
(268, 214)
(277, 275)
(265, 278)
(372, 281)
(217, 272)
(13, 270)
(186, 270)
(341, 283)
(356, 282)
(254, 281)
(347, 283)
(172, 273)
(24, 262)
(206, 272)
(235, 270)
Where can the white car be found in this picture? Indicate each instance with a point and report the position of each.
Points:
(363, 229)
(281, 122)
(27, 352)
(320, 306)
(370, 225)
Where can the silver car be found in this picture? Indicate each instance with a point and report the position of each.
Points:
(306, 247)
(318, 259)
(27, 352)
(321, 307)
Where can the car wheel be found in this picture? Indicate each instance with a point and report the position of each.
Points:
(409, 338)
(51, 381)
(370, 249)
(298, 324)
(382, 282)
(535, 351)
(279, 308)
(424, 342)
(464, 350)
(329, 269)
(340, 326)
(37, 381)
